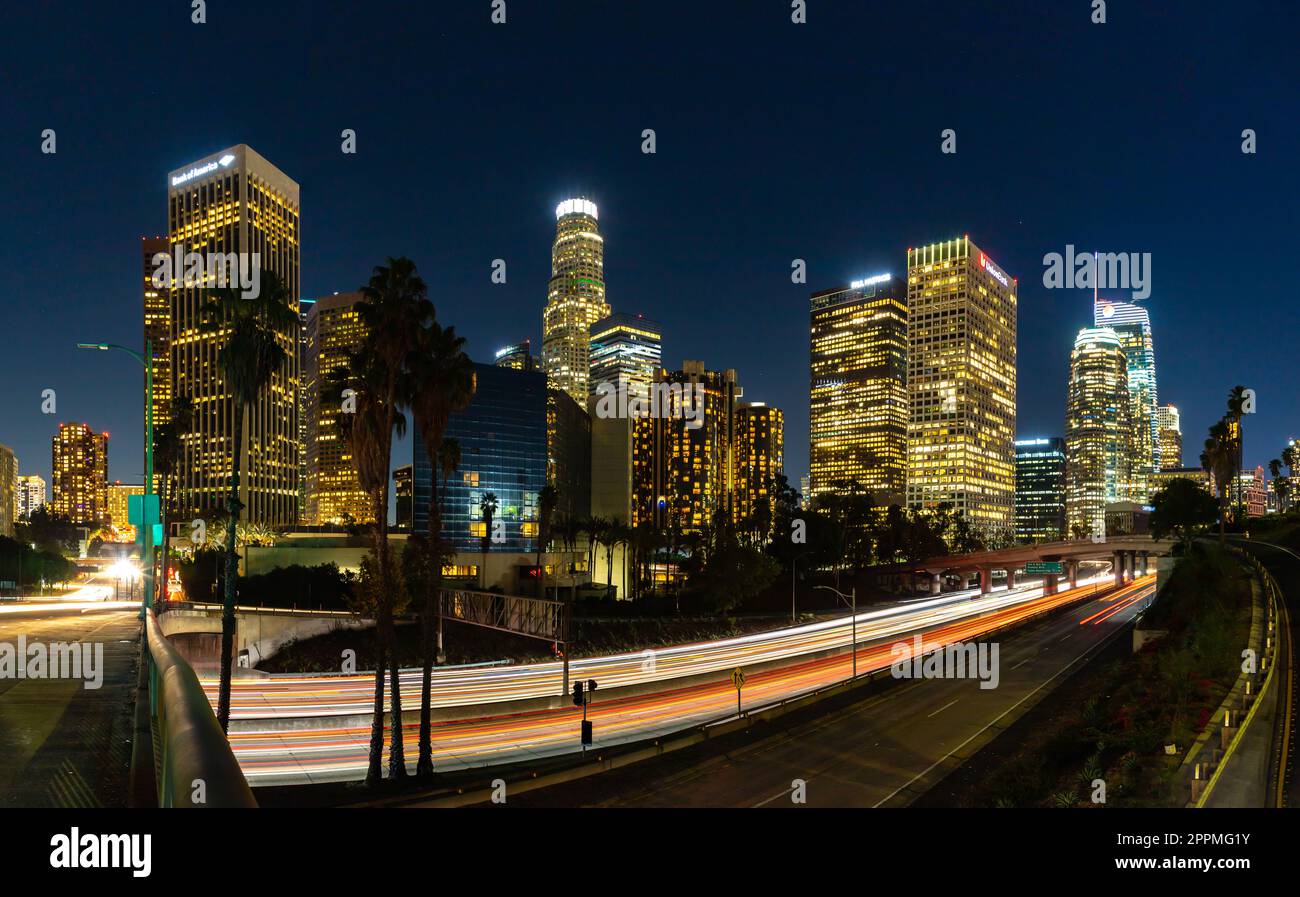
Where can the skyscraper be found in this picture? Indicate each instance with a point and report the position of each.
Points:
(333, 495)
(626, 350)
(502, 436)
(403, 492)
(30, 496)
(1040, 489)
(684, 460)
(80, 468)
(760, 456)
(157, 331)
(1132, 324)
(1098, 431)
(858, 405)
(961, 383)
(8, 491)
(575, 298)
(518, 357)
(235, 201)
(304, 309)
(118, 513)
(1170, 438)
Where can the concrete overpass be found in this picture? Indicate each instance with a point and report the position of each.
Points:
(1129, 557)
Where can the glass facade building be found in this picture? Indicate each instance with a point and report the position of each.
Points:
(625, 350)
(1040, 489)
(858, 392)
(1098, 431)
(1132, 324)
(502, 436)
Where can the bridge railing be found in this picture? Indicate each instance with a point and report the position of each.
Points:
(194, 766)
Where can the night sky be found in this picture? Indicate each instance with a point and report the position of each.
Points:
(775, 141)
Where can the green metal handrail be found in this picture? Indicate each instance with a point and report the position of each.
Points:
(196, 767)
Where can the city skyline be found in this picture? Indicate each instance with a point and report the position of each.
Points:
(737, 307)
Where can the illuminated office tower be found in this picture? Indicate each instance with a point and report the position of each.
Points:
(8, 491)
(404, 495)
(858, 395)
(157, 330)
(333, 495)
(1170, 438)
(1098, 431)
(518, 357)
(760, 456)
(235, 201)
(304, 309)
(626, 350)
(1040, 490)
(1132, 324)
(80, 468)
(961, 383)
(684, 457)
(118, 515)
(575, 298)
(30, 496)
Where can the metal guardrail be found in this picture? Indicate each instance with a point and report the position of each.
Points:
(195, 766)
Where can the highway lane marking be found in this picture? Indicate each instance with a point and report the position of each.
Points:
(1064, 639)
(977, 734)
(1022, 663)
(943, 708)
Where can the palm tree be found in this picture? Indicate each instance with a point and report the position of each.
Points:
(546, 502)
(443, 382)
(487, 506)
(393, 312)
(1219, 459)
(1237, 401)
(166, 455)
(1279, 483)
(254, 349)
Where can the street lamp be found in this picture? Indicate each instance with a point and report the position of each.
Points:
(146, 527)
(851, 600)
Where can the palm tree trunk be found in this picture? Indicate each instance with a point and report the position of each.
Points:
(397, 749)
(424, 764)
(233, 507)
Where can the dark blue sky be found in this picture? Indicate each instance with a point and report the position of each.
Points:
(775, 141)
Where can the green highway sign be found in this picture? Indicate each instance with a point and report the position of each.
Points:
(1043, 567)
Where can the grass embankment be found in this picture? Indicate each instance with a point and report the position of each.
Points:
(1112, 720)
(469, 644)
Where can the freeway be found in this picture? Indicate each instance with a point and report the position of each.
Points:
(883, 751)
(318, 697)
(794, 660)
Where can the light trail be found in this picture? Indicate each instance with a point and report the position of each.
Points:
(281, 697)
(337, 753)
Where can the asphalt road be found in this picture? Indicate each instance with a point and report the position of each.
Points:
(63, 744)
(882, 751)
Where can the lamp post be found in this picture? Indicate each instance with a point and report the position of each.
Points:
(851, 600)
(146, 527)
